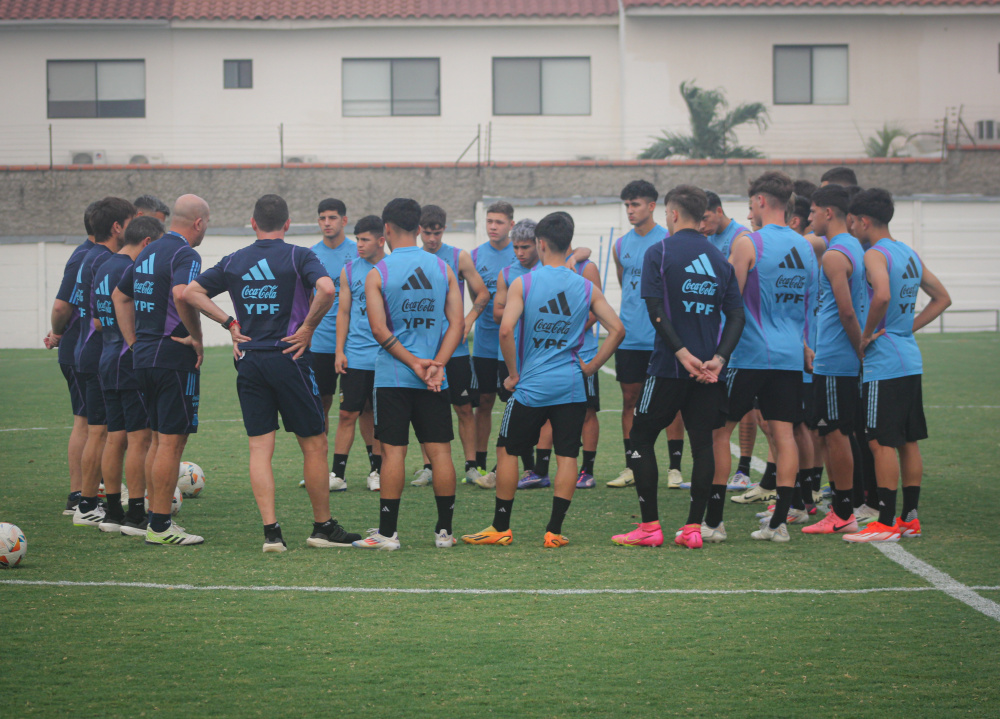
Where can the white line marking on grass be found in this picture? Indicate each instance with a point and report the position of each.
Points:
(940, 580)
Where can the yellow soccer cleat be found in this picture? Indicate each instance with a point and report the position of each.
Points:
(553, 541)
(489, 536)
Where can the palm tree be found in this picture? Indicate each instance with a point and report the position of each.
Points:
(713, 134)
(881, 143)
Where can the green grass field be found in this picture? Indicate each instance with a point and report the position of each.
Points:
(372, 648)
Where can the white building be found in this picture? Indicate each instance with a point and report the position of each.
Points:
(239, 81)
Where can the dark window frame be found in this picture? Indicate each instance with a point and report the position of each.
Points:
(392, 67)
(810, 48)
(541, 88)
(239, 74)
(97, 103)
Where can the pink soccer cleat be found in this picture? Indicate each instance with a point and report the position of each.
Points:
(690, 536)
(644, 535)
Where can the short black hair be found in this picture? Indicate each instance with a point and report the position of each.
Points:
(803, 188)
(713, 200)
(840, 176)
(691, 200)
(142, 227)
(106, 213)
(834, 196)
(332, 205)
(402, 212)
(523, 231)
(151, 203)
(852, 192)
(370, 223)
(773, 184)
(639, 189)
(270, 213)
(800, 209)
(503, 208)
(433, 217)
(86, 218)
(556, 229)
(875, 203)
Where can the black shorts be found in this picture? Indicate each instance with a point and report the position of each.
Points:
(126, 409)
(836, 401)
(502, 374)
(270, 383)
(778, 393)
(521, 426)
(486, 374)
(808, 414)
(396, 408)
(172, 398)
(463, 385)
(703, 407)
(592, 386)
(97, 414)
(356, 389)
(77, 393)
(894, 411)
(323, 364)
(631, 365)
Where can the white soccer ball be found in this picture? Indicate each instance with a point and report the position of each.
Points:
(13, 546)
(191, 480)
(175, 505)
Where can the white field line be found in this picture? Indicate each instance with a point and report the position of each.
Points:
(940, 580)
(415, 590)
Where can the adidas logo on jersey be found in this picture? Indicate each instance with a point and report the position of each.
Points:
(912, 272)
(556, 306)
(701, 266)
(146, 266)
(103, 288)
(260, 271)
(417, 281)
(793, 261)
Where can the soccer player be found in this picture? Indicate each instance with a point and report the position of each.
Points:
(841, 175)
(842, 304)
(775, 268)
(687, 285)
(892, 364)
(280, 292)
(592, 386)
(128, 420)
(463, 388)
(334, 251)
(552, 305)
(164, 333)
(64, 333)
(415, 312)
(151, 206)
(108, 219)
(489, 258)
(356, 347)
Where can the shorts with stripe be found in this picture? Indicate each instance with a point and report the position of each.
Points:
(778, 393)
(172, 398)
(324, 366)
(463, 384)
(126, 409)
(270, 383)
(396, 408)
(522, 425)
(894, 411)
(592, 386)
(703, 407)
(77, 392)
(836, 404)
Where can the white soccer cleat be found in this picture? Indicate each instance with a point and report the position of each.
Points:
(422, 477)
(739, 482)
(276, 545)
(755, 494)
(795, 516)
(625, 479)
(714, 536)
(775, 535)
(486, 481)
(374, 540)
(865, 514)
(93, 518)
(443, 540)
(173, 536)
(674, 479)
(374, 482)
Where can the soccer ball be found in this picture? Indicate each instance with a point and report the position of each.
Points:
(191, 479)
(175, 506)
(13, 547)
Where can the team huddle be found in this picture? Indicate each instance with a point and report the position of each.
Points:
(801, 325)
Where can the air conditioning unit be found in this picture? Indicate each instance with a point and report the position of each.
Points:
(988, 129)
(88, 157)
(301, 159)
(147, 158)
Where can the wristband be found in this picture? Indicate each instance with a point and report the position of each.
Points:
(230, 321)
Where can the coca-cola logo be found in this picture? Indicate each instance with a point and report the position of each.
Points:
(559, 327)
(143, 288)
(425, 304)
(793, 282)
(699, 288)
(909, 291)
(104, 307)
(264, 292)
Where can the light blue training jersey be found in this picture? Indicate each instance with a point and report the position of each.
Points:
(449, 255)
(414, 290)
(777, 299)
(835, 356)
(489, 261)
(511, 273)
(631, 249)
(360, 346)
(723, 241)
(589, 349)
(556, 306)
(896, 354)
(334, 259)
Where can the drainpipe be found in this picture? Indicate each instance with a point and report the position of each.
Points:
(621, 78)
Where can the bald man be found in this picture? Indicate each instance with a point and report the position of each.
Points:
(158, 325)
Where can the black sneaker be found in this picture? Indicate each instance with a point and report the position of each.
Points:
(71, 504)
(273, 541)
(331, 535)
(112, 521)
(132, 528)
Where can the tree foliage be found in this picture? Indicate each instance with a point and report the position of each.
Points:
(881, 143)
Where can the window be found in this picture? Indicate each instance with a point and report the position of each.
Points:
(391, 87)
(810, 75)
(541, 86)
(97, 88)
(237, 74)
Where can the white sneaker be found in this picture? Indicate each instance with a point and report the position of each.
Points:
(337, 484)
(865, 514)
(374, 540)
(755, 494)
(174, 535)
(708, 534)
(422, 477)
(739, 482)
(374, 482)
(93, 518)
(443, 540)
(775, 535)
(795, 516)
(472, 474)
(276, 545)
(486, 481)
(674, 479)
(625, 479)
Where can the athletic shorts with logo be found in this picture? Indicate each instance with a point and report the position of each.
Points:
(324, 367)
(396, 408)
(778, 393)
(592, 386)
(77, 390)
(172, 398)
(894, 410)
(486, 369)
(522, 425)
(631, 365)
(357, 389)
(835, 404)
(703, 407)
(463, 384)
(270, 383)
(126, 410)
(93, 398)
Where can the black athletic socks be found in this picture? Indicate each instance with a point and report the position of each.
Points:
(675, 447)
(542, 457)
(588, 462)
(136, 509)
(446, 509)
(388, 515)
(911, 497)
(481, 460)
(470, 464)
(770, 478)
(843, 503)
(647, 476)
(340, 465)
(798, 496)
(527, 461)
(817, 479)
(628, 451)
(88, 504)
(73, 497)
(716, 505)
(781, 506)
(159, 522)
(887, 506)
(114, 510)
(376, 462)
(744, 466)
(272, 533)
(501, 514)
(559, 508)
(427, 466)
